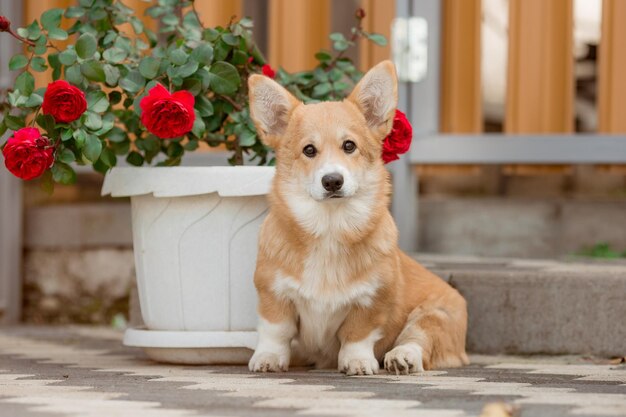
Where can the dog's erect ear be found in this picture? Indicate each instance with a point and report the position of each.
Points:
(376, 95)
(270, 107)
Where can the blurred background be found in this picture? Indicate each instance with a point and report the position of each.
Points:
(504, 66)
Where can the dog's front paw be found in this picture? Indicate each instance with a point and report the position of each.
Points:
(359, 366)
(268, 362)
(404, 359)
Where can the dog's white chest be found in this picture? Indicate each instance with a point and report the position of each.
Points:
(323, 298)
(319, 323)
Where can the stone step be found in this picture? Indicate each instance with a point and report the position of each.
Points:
(539, 306)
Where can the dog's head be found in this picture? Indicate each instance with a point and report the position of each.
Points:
(328, 153)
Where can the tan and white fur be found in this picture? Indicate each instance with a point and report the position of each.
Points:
(334, 288)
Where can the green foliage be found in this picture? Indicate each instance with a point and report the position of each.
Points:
(116, 69)
(601, 250)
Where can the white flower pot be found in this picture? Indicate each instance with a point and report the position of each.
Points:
(195, 232)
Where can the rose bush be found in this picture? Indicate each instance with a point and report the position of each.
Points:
(143, 96)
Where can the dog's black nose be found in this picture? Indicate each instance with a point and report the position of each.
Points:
(332, 182)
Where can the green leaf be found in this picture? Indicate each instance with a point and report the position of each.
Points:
(239, 57)
(14, 122)
(58, 34)
(67, 134)
(247, 137)
(321, 89)
(135, 158)
(25, 83)
(115, 55)
(178, 57)
(80, 136)
(187, 69)
(63, 173)
(199, 127)
(38, 64)
(221, 51)
(74, 12)
(335, 75)
(108, 158)
(133, 81)
(111, 74)
(17, 62)
(149, 67)
(246, 22)
(341, 45)
(175, 150)
(193, 85)
(3, 127)
(41, 46)
(192, 145)
(86, 45)
(378, 39)
(230, 39)
(97, 101)
(170, 20)
(93, 148)
(204, 106)
(51, 19)
(97, 14)
(46, 122)
(210, 34)
(67, 57)
(224, 78)
(137, 25)
(34, 100)
(53, 60)
(66, 156)
(323, 56)
(92, 70)
(23, 32)
(203, 53)
(337, 37)
(73, 74)
(34, 31)
(92, 120)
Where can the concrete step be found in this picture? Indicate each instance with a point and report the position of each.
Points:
(539, 306)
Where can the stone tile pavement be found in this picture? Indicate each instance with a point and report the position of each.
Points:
(86, 372)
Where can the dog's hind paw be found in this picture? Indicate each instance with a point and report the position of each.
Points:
(268, 362)
(404, 359)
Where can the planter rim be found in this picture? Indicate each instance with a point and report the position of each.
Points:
(227, 181)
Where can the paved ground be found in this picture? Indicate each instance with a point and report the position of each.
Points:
(86, 372)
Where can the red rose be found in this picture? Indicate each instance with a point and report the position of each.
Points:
(27, 154)
(63, 101)
(398, 141)
(167, 115)
(268, 71)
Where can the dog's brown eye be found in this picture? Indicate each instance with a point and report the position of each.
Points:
(349, 146)
(309, 150)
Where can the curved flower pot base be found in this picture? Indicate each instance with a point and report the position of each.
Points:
(194, 347)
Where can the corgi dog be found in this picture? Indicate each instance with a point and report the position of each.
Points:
(334, 289)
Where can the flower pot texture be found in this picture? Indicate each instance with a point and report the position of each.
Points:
(195, 232)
